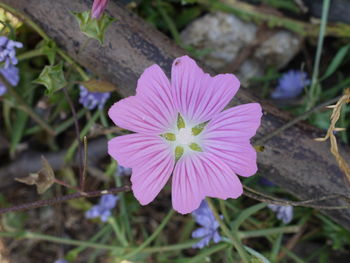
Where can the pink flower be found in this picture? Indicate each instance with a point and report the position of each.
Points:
(181, 130)
(98, 7)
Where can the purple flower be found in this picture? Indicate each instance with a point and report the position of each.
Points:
(123, 171)
(11, 74)
(290, 85)
(61, 261)
(91, 100)
(8, 51)
(208, 230)
(103, 208)
(283, 213)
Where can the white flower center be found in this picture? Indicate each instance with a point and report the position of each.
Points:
(184, 136)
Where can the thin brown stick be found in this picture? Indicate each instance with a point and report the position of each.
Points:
(60, 199)
(295, 121)
(251, 193)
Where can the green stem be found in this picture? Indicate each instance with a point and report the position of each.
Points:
(268, 231)
(112, 168)
(201, 257)
(291, 123)
(38, 236)
(104, 232)
(84, 132)
(89, 244)
(223, 210)
(171, 25)
(30, 54)
(315, 91)
(23, 106)
(118, 233)
(41, 32)
(152, 237)
(234, 239)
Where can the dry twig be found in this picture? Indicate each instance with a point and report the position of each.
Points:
(330, 133)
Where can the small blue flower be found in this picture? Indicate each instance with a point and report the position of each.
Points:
(283, 213)
(205, 217)
(265, 182)
(8, 51)
(91, 100)
(123, 171)
(103, 208)
(290, 85)
(11, 74)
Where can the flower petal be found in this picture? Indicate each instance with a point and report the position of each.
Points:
(227, 137)
(197, 95)
(151, 159)
(151, 111)
(133, 149)
(198, 175)
(154, 86)
(241, 157)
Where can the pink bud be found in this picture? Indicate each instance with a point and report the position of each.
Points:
(98, 7)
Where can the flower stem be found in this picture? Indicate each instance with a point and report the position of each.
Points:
(268, 231)
(118, 233)
(30, 54)
(234, 239)
(315, 88)
(152, 237)
(90, 244)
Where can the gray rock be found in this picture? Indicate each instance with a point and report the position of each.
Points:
(225, 36)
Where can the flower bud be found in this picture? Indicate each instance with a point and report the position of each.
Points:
(98, 7)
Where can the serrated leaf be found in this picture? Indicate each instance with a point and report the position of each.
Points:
(95, 85)
(52, 77)
(43, 180)
(94, 28)
(50, 50)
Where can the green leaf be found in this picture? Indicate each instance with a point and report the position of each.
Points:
(179, 151)
(259, 257)
(52, 77)
(180, 122)
(336, 61)
(199, 128)
(20, 123)
(195, 147)
(50, 49)
(95, 85)
(169, 136)
(94, 28)
(245, 214)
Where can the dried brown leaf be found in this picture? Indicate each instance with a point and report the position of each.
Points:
(330, 133)
(42, 179)
(95, 85)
